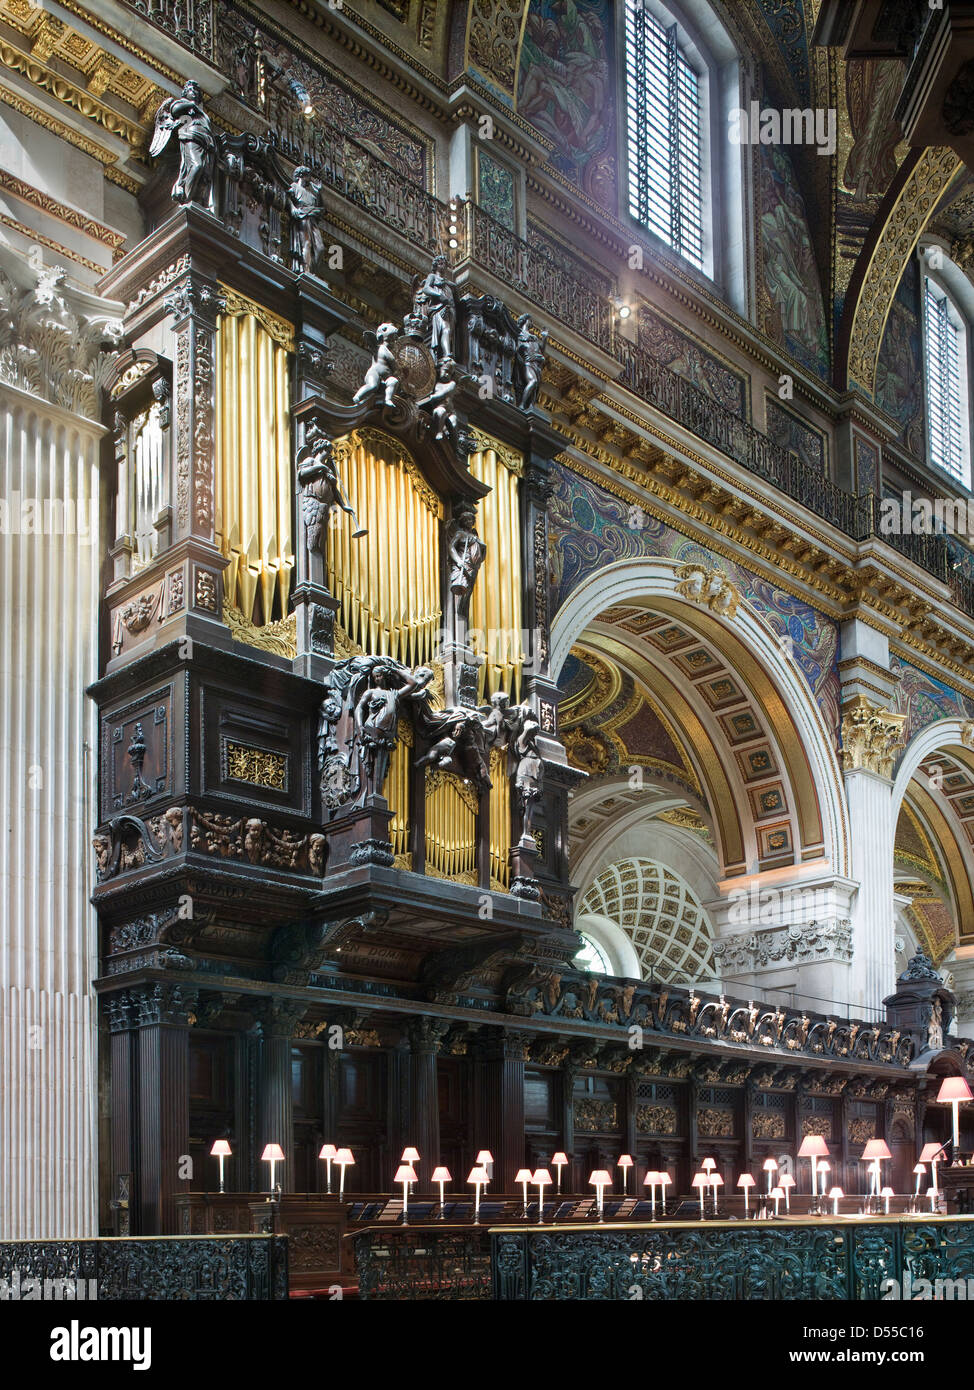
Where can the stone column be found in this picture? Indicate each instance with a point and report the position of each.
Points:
(51, 432)
(961, 967)
(870, 737)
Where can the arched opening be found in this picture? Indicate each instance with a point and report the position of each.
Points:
(713, 806)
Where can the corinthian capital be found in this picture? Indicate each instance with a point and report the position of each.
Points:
(870, 736)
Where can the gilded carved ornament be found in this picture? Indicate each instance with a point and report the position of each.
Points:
(870, 737)
(709, 586)
(917, 200)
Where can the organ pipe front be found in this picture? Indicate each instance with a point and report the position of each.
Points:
(495, 605)
(388, 583)
(254, 505)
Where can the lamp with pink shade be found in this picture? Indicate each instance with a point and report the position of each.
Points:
(953, 1091)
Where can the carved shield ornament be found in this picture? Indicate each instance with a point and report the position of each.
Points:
(415, 368)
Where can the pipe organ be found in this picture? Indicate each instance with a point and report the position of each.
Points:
(254, 493)
(495, 606)
(337, 567)
(388, 582)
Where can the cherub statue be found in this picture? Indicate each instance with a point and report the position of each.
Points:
(460, 744)
(185, 116)
(530, 357)
(381, 376)
(323, 490)
(304, 206)
(496, 719)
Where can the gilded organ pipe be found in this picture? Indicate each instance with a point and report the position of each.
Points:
(253, 491)
(495, 604)
(388, 586)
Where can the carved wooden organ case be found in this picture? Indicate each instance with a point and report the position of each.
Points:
(328, 739)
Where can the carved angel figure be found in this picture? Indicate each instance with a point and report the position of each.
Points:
(305, 208)
(530, 358)
(381, 376)
(323, 490)
(184, 116)
(376, 714)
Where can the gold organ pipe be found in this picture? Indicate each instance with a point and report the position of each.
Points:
(389, 583)
(253, 492)
(249, 521)
(495, 606)
(451, 831)
(285, 510)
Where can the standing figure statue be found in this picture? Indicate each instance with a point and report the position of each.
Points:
(465, 553)
(935, 1027)
(381, 376)
(185, 116)
(323, 490)
(304, 206)
(376, 715)
(436, 299)
(529, 768)
(530, 357)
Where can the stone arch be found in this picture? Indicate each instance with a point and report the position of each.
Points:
(939, 737)
(806, 743)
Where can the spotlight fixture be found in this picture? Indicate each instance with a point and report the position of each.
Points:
(300, 95)
(621, 307)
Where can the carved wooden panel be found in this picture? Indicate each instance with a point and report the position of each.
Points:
(137, 753)
(256, 752)
(540, 1098)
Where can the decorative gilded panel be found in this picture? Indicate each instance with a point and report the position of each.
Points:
(259, 766)
(656, 1119)
(596, 1116)
(768, 1126)
(715, 1124)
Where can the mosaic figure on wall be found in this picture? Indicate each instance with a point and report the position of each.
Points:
(790, 271)
(565, 89)
(899, 370)
(872, 91)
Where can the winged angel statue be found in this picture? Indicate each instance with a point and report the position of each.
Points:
(184, 117)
